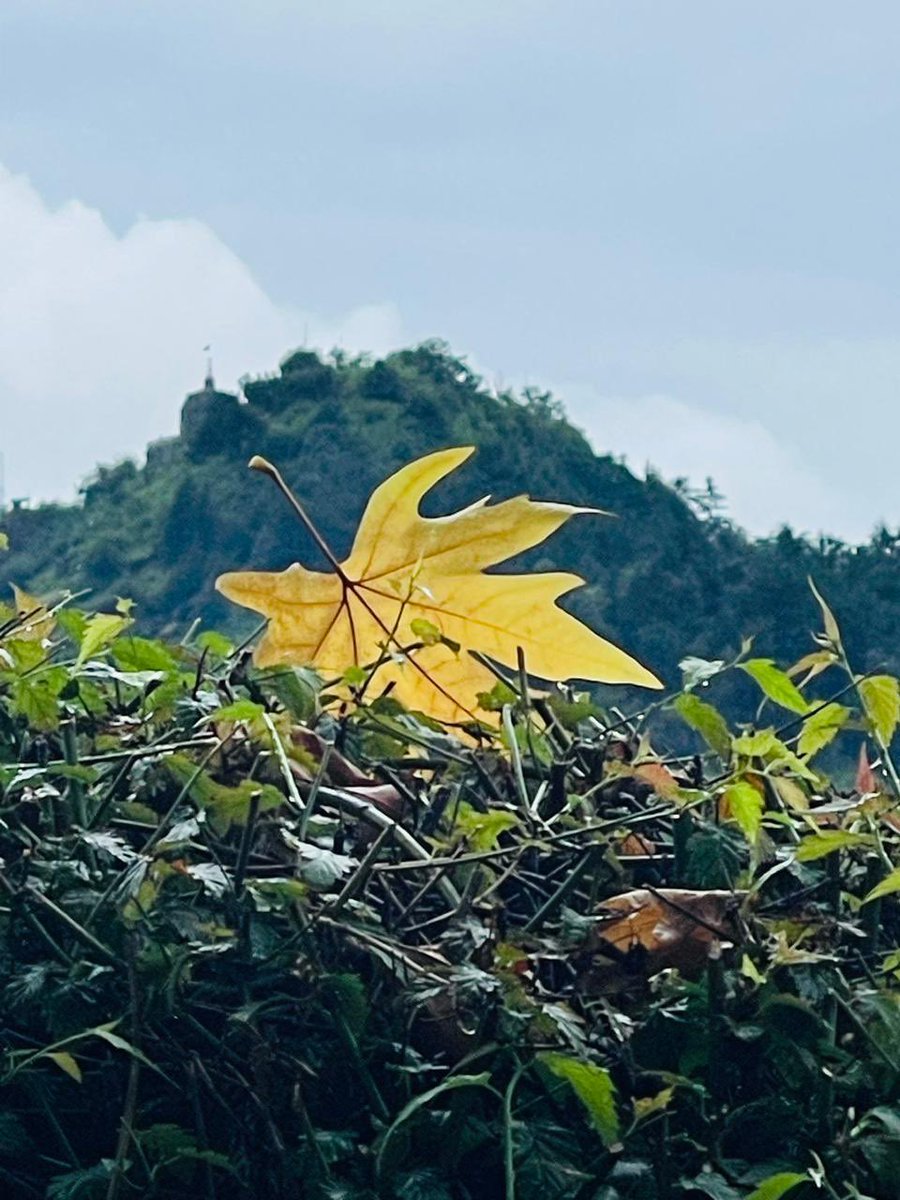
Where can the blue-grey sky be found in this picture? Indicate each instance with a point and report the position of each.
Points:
(680, 215)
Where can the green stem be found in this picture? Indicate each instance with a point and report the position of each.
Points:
(509, 1138)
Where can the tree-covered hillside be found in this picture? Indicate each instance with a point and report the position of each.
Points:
(666, 575)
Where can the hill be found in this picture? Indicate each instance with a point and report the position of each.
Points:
(667, 576)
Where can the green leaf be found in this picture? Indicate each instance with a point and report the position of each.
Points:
(4, 541)
(26, 654)
(427, 633)
(818, 845)
(105, 1033)
(593, 1086)
(346, 993)
(215, 643)
(778, 1185)
(766, 744)
(321, 869)
(100, 631)
(66, 1062)
(241, 710)
(713, 1186)
(72, 771)
(832, 632)
(36, 697)
(298, 689)
(821, 728)
(88, 1184)
(161, 701)
(279, 893)
(646, 1106)
(746, 806)
(888, 885)
(775, 684)
(880, 695)
(708, 722)
(226, 806)
(74, 622)
(482, 829)
(494, 700)
(420, 1101)
(142, 654)
(570, 713)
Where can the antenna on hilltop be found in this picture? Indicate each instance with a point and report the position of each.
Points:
(209, 382)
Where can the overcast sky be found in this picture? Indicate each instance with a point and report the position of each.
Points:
(680, 215)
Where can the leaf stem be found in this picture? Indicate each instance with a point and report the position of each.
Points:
(258, 463)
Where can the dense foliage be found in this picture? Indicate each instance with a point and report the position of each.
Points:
(257, 942)
(667, 576)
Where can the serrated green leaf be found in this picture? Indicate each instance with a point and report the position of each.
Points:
(766, 745)
(427, 632)
(36, 697)
(101, 630)
(494, 700)
(707, 721)
(88, 1184)
(821, 728)
(269, 894)
(746, 806)
(215, 643)
(143, 654)
(777, 686)
(240, 710)
(880, 695)
(26, 653)
(593, 1086)
(570, 713)
(225, 805)
(482, 829)
(74, 622)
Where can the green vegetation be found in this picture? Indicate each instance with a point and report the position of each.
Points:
(668, 576)
(261, 940)
(260, 943)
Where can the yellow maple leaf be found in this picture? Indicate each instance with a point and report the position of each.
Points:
(405, 568)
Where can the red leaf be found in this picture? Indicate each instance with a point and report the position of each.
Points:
(865, 776)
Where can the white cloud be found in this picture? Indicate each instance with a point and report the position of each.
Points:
(101, 335)
(765, 482)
